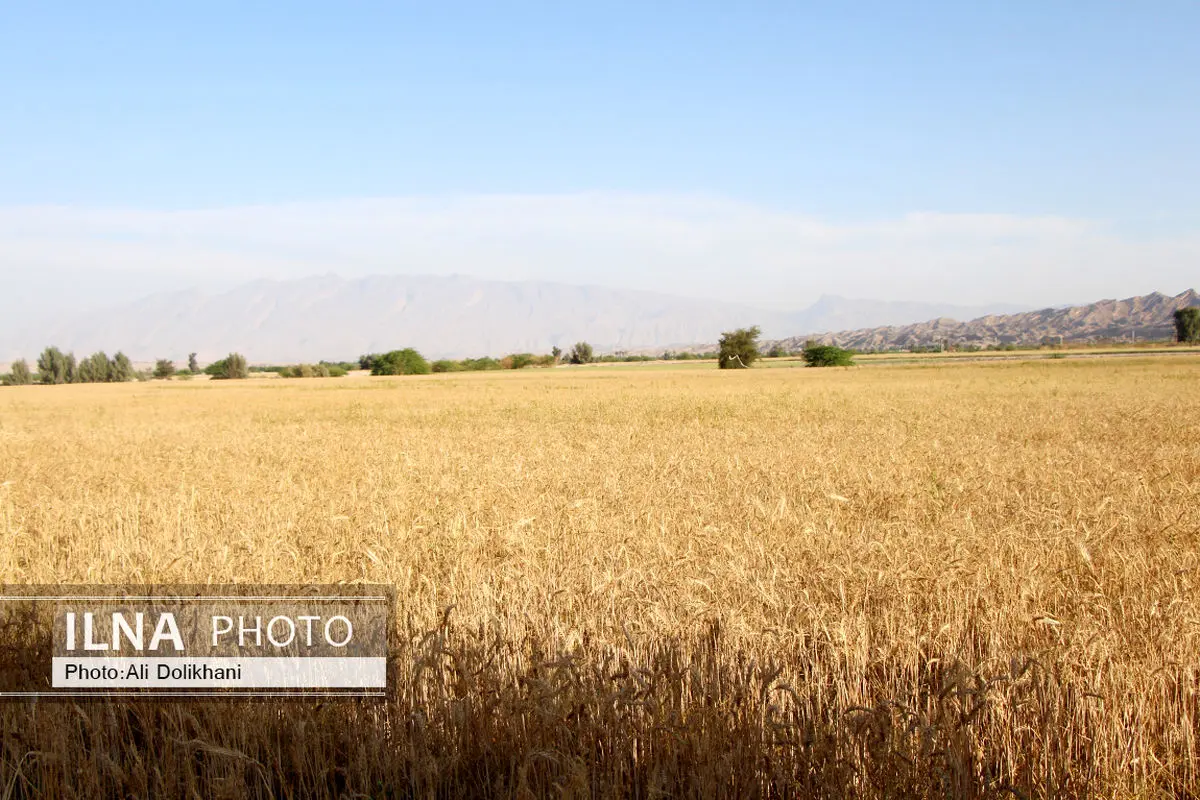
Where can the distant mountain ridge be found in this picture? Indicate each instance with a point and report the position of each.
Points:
(1146, 317)
(328, 317)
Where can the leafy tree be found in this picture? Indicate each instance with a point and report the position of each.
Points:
(581, 353)
(826, 355)
(445, 365)
(232, 367)
(193, 364)
(1187, 325)
(94, 369)
(400, 362)
(120, 369)
(235, 367)
(164, 368)
(83, 371)
(52, 366)
(19, 374)
(556, 351)
(368, 361)
(738, 349)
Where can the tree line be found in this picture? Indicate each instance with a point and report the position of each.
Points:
(410, 362)
(54, 366)
(737, 349)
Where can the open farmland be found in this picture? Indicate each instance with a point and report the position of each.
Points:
(947, 580)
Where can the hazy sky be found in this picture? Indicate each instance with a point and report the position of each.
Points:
(1031, 152)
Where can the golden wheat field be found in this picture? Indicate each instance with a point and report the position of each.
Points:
(960, 580)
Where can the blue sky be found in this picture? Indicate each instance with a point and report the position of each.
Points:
(1080, 117)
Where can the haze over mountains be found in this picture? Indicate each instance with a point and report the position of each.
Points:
(329, 317)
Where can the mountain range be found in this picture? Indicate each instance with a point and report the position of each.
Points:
(329, 317)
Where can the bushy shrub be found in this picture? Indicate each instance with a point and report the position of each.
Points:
(338, 369)
(232, 367)
(400, 362)
(827, 355)
(480, 364)
(306, 371)
(517, 360)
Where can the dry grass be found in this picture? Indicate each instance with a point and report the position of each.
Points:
(952, 581)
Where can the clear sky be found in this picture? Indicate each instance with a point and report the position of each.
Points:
(1035, 152)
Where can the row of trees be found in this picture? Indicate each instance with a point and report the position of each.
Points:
(410, 362)
(56, 367)
(737, 349)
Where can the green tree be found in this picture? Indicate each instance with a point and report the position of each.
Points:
(826, 355)
(120, 369)
(164, 368)
(19, 374)
(193, 364)
(232, 367)
(400, 362)
(53, 368)
(556, 351)
(94, 369)
(738, 349)
(581, 353)
(235, 367)
(1187, 325)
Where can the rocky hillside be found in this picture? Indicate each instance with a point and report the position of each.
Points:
(1147, 317)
